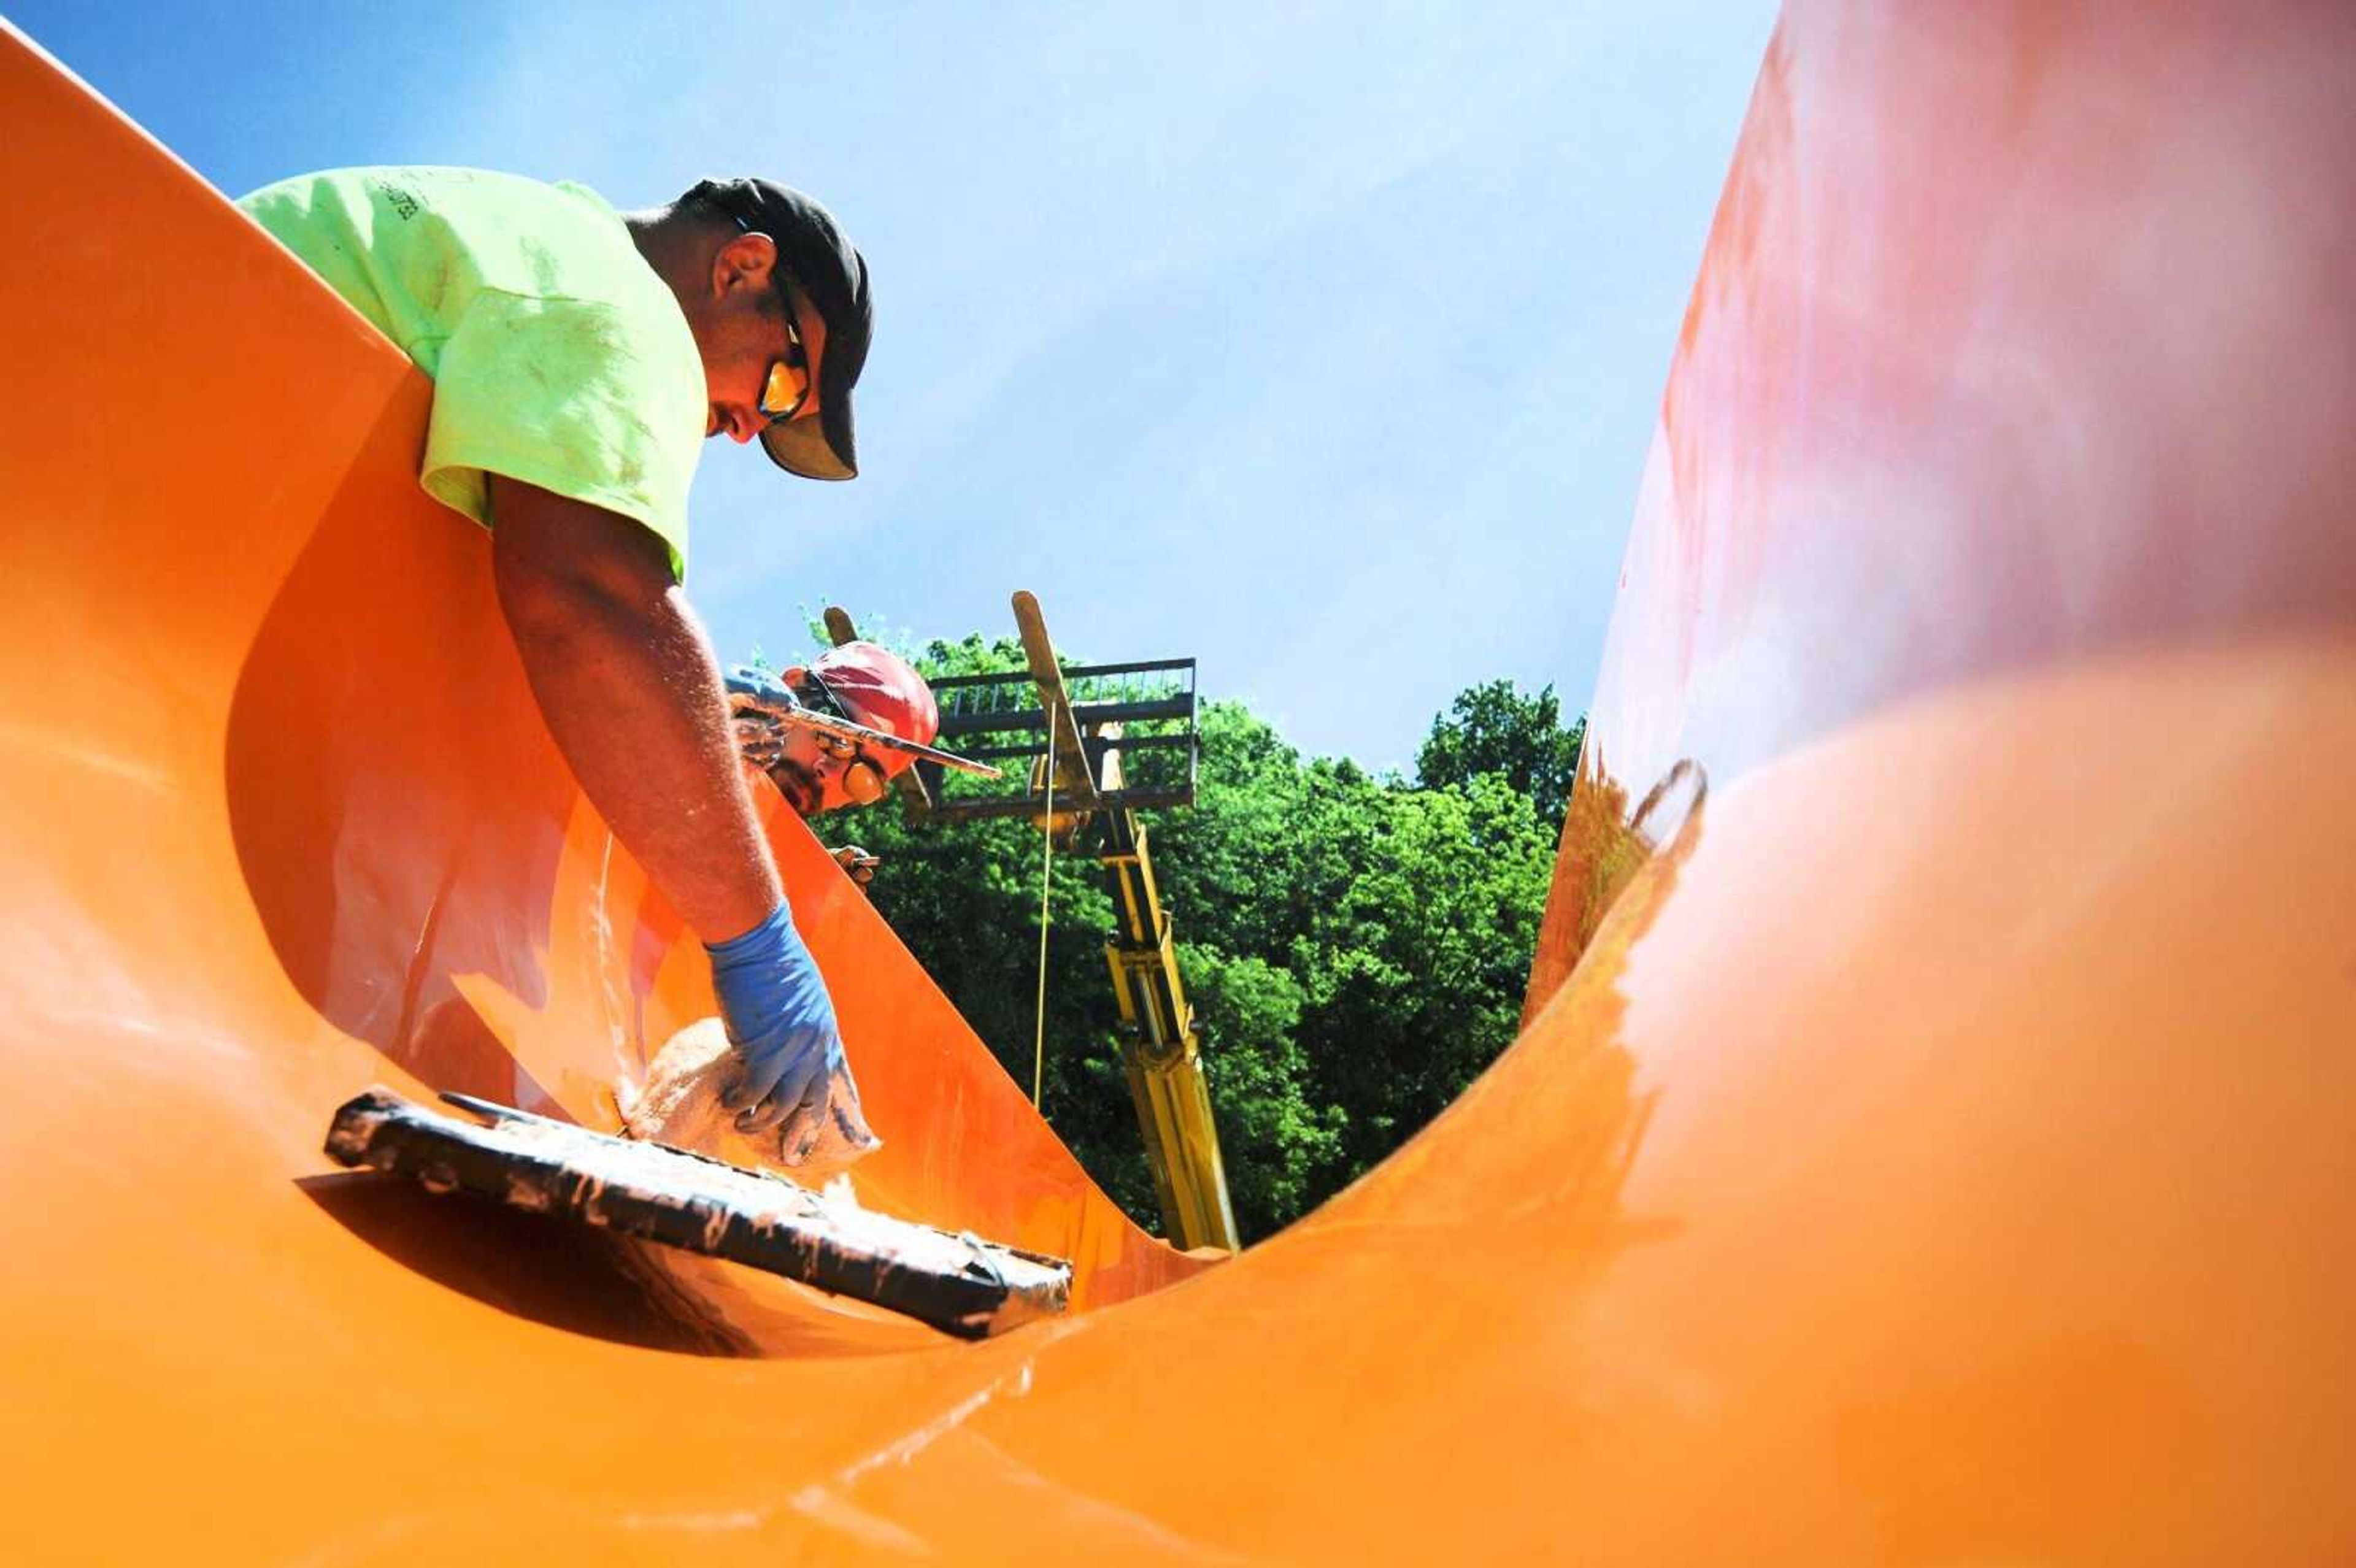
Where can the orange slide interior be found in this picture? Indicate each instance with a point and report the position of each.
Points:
(1934, 1134)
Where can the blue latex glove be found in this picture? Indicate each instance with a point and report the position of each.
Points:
(781, 1022)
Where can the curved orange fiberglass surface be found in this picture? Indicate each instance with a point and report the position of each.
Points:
(1935, 1138)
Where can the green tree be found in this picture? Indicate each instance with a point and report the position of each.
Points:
(1494, 729)
(1280, 1145)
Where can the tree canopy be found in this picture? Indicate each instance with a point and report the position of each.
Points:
(1355, 944)
(1494, 729)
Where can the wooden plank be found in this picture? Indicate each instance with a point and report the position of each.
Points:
(957, 1283)
(1072, 783)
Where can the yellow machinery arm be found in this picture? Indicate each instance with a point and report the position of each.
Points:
(1159, 1049)
(1075, 791)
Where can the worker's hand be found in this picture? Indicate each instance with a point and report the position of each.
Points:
(781, 1023)
(751, 687)
(755, 701)
(857, 863)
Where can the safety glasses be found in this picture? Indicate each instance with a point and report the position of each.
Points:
(788, 386)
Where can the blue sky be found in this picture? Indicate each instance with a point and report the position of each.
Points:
(1322, 342)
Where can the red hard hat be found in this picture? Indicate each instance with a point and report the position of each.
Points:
(882, 692)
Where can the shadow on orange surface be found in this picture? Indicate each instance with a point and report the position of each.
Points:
(379, 705)
(552, 1272)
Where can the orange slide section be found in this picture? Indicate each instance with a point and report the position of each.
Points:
(1935, 1138)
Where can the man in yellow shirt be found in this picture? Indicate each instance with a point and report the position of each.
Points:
(580, 357)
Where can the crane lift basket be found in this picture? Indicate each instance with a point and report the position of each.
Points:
(1125, 739)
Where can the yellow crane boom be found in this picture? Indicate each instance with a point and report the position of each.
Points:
(1160, 1048)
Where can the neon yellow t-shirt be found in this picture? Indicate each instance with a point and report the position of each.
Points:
(558, 356)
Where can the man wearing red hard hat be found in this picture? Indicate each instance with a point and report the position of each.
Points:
(888, 722)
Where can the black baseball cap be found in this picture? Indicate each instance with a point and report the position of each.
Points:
(821, 261)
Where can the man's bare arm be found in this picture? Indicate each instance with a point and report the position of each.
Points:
(627, 680)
